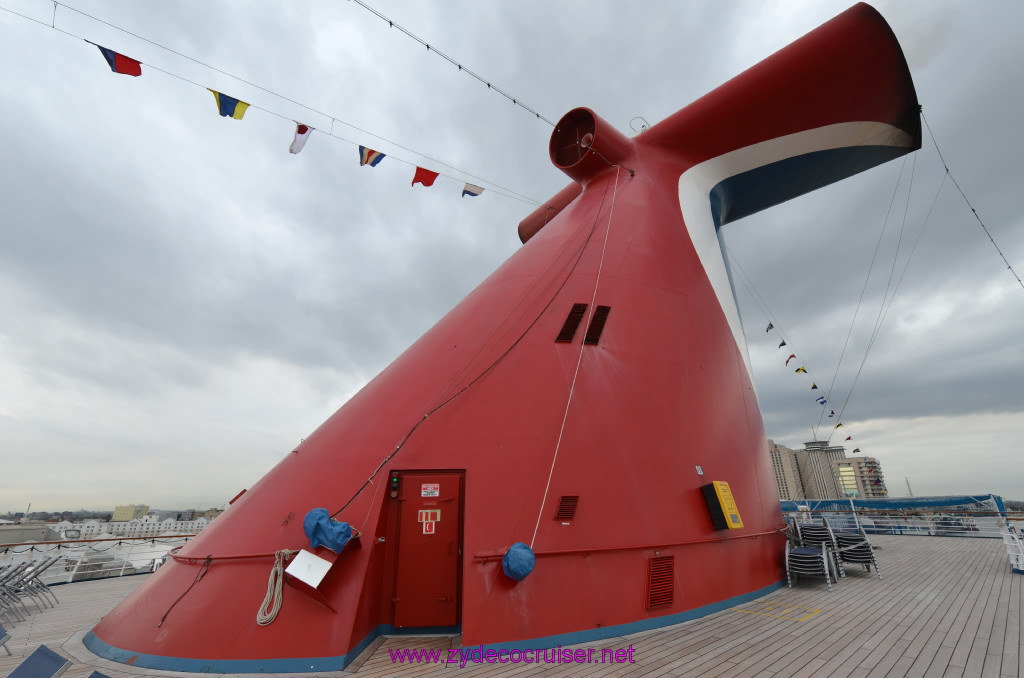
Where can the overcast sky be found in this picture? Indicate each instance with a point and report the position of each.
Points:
(182, 300)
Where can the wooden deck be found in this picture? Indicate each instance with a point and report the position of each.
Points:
(946, 607)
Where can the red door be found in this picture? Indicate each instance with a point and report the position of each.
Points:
(429, 550)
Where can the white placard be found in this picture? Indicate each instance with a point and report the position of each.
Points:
(308, 568)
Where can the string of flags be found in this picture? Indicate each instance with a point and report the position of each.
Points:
(230, 107)
(820, 400)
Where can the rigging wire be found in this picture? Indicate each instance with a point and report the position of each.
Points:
(579, 359)
(491, 366)
(515, 101)
(899, 282)
(969, 205)
(860, 300)
(502, 190)
(882, 307)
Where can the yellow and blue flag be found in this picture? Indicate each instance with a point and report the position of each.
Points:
(229, 107)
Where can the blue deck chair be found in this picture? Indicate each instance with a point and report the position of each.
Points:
(4, 637)
(97, 674)
(42, 663)
(855, 548)
(809, 560)
(816, 534)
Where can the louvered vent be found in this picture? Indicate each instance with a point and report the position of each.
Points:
(566, 508)
(597, 324)
(660, 581)
(572, 322)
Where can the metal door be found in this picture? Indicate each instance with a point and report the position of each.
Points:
(429, 549)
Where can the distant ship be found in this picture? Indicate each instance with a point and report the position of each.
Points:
(590, 401)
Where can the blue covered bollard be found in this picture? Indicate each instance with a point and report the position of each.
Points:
(518, 561)
(322, 531)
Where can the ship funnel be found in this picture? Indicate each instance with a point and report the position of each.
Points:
(583, 144)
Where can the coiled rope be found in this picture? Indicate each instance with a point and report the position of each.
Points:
(272, 602)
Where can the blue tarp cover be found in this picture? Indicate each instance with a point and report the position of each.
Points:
(518, 561)
(322, 531)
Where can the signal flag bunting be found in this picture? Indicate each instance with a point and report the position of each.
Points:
(302, 133)
(368, 156)
(424, 176)
(229, 107)
(119, 63)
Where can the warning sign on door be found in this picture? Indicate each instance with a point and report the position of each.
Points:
(430, 490)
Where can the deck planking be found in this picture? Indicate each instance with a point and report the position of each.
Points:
(946, 607)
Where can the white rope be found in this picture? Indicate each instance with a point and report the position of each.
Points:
(579, 361)
(274, 594)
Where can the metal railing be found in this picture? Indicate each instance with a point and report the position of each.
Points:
(990, 524)
(85, 559)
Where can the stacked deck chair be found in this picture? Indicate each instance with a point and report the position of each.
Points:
(34, 584)
(23, 581)
(14, 609)
(821, 534)
(855, 548)
(809, 560)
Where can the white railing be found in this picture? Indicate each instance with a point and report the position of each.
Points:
(912, 522)
(84, 559)
(1013, 540)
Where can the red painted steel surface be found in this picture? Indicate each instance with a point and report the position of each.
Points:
(665, 389)
(427, 573)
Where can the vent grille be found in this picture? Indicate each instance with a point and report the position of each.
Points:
(566, 508)
(573, 321)
(597, 325)
(660, 581)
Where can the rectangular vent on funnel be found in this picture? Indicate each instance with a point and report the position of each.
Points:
(566, 508)
(660, 581)
(572, 322)
(597, 324)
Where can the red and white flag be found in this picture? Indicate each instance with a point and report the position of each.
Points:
(302, 133)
